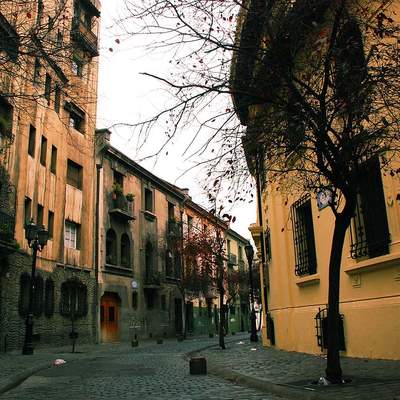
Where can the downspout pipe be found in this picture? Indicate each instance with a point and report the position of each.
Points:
(262, 243)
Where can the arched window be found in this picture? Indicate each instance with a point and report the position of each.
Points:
(38, 296)
(73, 299)
(125, 250)
(37, 300)
(24, 283)
(149, 260)
(49, 298)
(111, 247)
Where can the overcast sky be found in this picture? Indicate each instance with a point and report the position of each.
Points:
(125, 96)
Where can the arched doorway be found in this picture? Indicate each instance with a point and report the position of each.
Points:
(109, 317)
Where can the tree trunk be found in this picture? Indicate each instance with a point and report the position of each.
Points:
(333, 369)
(221, 318)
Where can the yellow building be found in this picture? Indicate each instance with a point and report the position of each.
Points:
(48, 95)
(294, 231)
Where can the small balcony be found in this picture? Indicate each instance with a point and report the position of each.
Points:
(84, 37)
(152, 280)
(93, 6)
(120, 207)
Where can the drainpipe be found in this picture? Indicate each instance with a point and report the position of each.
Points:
(264, 294)
(96, 253)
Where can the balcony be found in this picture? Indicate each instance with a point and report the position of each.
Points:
(82, 35)
(118, 269)
(152, 280)
(93, 6)
(120, 207)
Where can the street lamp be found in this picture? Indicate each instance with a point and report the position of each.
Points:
(37, 238)
(250, 254)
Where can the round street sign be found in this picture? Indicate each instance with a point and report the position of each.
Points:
(134, 284)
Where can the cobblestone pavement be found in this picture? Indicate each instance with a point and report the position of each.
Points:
(291, 373)
(149, 371)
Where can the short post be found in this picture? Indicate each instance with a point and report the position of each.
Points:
(198, 366)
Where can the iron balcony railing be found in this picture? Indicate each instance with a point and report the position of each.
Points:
(84, 36)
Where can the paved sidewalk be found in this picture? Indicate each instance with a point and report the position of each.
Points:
(290, 374)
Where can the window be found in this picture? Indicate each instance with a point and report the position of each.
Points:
(32, 141)
(49, 298)
(39, 215)
(50, 224)
(27, 210)
(36, 71)
(73, 302)
(47, 88)
(39, 15)
(149, 261)
(59, 38)
(6, 116)
(240, 255)
(169, 263)
(171, 212)
(43, 151)
(134, 300)
(163, 303)
(303, 237)
(53, 161)
(24, 287)
(125, 250)
(148, 200)
(57, 98)
(38, 296)
(118, 179)
(76, 121)
(228, 247)
(267, 239)
(190, 223)
(72, 235)
(369, 232)
(77, 66)
(74, 174)
(111, 247)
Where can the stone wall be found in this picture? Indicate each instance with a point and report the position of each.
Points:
(54, 330)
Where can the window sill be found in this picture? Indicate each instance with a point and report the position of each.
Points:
(149, 215)
(308, 280)
(371, 264)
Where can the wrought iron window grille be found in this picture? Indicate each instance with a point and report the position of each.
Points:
(303, 237)
(321, 327)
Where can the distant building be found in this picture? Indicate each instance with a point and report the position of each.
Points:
(140, 222)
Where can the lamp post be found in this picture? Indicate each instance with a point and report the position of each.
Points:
(250, 254)
(37, 238)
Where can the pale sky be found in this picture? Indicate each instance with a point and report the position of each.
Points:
(125, 96)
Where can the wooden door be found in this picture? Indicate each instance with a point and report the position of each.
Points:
(109, 317)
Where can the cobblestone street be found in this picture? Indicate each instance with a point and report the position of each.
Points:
(150, 371)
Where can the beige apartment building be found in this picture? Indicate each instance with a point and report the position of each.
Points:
(48, 96)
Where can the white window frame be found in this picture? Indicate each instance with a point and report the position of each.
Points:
(70, 235)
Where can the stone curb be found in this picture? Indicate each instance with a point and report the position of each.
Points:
(17, 379)
(279, 389)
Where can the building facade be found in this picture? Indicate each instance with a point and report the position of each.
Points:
(142, 225)
(293, 235)
(48, 99)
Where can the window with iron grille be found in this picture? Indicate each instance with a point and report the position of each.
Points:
(73, 299)
(303, 237)
(369, 232)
